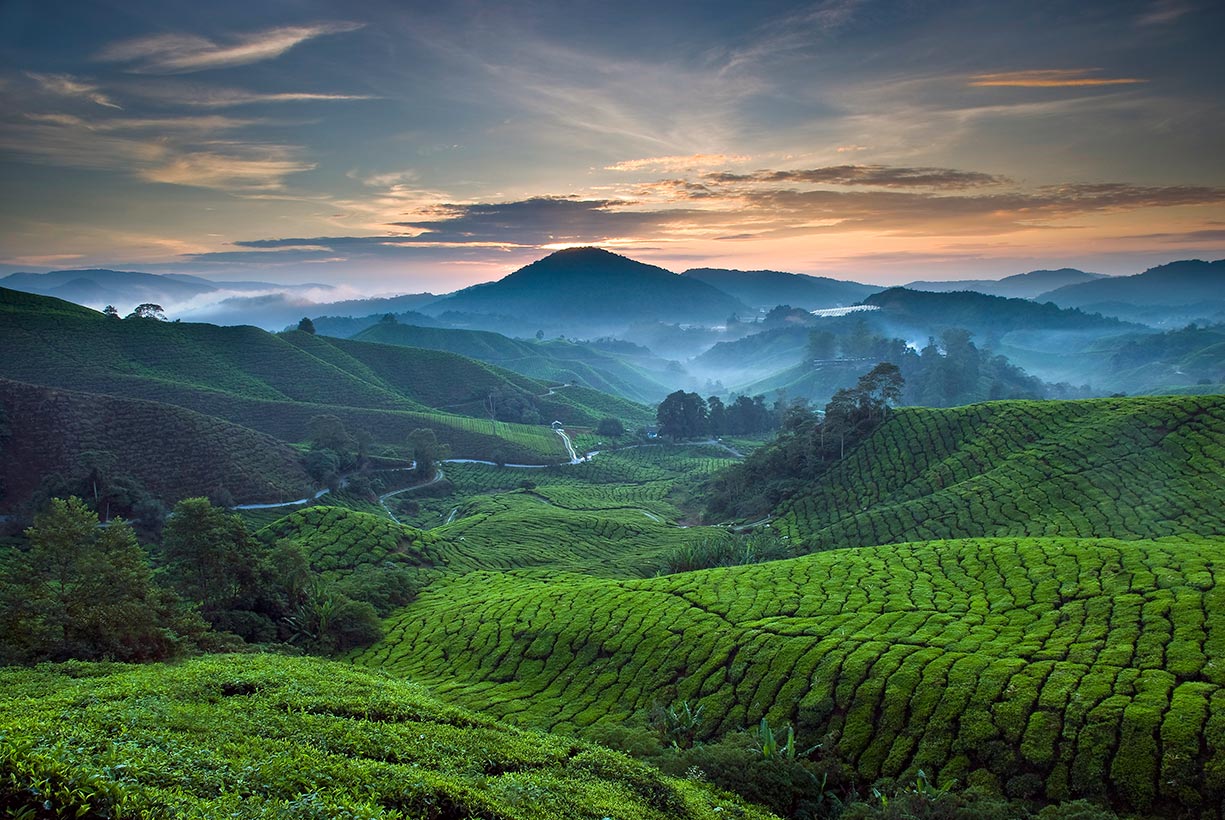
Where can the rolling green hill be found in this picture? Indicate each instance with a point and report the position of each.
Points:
(1140, 467)
(248, 736)
(1040, 668)
(173, 452)
(276, 382)
(557, 360)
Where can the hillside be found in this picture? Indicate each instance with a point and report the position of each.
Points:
(1040, 668)
(1020, 468)
(263, 736)
(556, 361)
(1018, 286)
(765, 289)
(277, 382)
(988, 316)
(1195, 287)
(172, 452)
(593, 290)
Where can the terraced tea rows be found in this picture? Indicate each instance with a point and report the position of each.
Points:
(336, 540)
(1047, 668)
(58, 431)
(610, 516)
(261, 736)
(1125, 468)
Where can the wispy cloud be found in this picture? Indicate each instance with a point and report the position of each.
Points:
(677, 163)
(1164, 12)
(66, 85)
(1050, 78)
(185, 53)
(193, 151)
(877, 175)
(203, 96)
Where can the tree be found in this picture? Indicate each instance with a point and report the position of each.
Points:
(328, 432)
(822, 345)
(306, 325)
(880, 387)
(610, 426)
(211, 558)
(716, 417)
(389, 319)
(86, 591)
(540, 335)
(426, 451)
(148, 310)
(110, 312)
(682, 415)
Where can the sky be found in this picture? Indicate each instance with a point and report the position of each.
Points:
(408, 146)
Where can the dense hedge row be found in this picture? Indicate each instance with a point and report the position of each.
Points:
(252, 736)
(1126, 468)
(1043, 668)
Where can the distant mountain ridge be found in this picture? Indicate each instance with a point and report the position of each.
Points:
(770, 288)
(1178, 283)
(1018, 286)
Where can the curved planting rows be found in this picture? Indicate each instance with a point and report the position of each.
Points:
(335, 539)
(1044, 668)
(1122, 468)
(262, 736)
(523, 530)
(172, 451)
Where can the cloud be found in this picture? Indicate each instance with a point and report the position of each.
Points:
(202, 96)
(878, 175)
(676, 163)
(1050, 78)
(1205, 235)
(185, 53)
(66, 85)
(1164, 12)
(176, 150)
(520, 227)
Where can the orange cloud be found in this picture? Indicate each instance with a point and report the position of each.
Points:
(1050, 78)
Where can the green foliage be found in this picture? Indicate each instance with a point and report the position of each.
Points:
(1035, 469)
(120, 452)
(254, 736)
(610, 426)
(81, 590)
(941, 656)
(709, 553)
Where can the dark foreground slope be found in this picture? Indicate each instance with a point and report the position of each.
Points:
(267, 737)
(1042, 668)
(1138, 467)
(173, 452)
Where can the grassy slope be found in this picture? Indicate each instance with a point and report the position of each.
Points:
(173, 452)
(272, 383)
(1051, 668)
(339, 541)
(267, 737)
(554, 361)
(1128, 468)
(609, 517)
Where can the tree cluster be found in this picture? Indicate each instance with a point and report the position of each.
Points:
(86, 589)
(807, 444)
(687, 415)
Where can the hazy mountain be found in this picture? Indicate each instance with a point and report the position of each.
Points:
(768, 288)
(1017, 286)
(593, 290)
(985, 315)
(1167, 294)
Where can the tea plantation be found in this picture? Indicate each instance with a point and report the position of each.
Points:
(1039, 668)
(271, 737)
(1141, 467)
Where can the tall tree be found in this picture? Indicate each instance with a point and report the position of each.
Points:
(306, 325)
(427, 451)
(86, 591)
